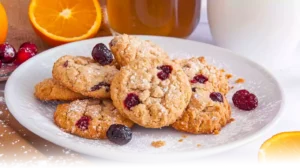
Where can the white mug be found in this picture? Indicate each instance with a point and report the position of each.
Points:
(266, 31)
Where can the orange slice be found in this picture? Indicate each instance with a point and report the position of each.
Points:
(282, 147)
(3, 23)
(63, 21)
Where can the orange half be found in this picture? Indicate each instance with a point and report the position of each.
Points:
(282, 147)
(63, 21)
(3, 23)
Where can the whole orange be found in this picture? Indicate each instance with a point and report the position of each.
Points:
(3, 23)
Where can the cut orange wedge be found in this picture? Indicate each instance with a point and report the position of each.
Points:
(3, 23)
(282, 147)
(63, 21)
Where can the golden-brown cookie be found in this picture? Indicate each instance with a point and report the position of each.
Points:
(208, 110)
(85, 76)
(49, 89)
(88, 118)
(152, 92)
(206, 113)
(203, 75)
(129, 48)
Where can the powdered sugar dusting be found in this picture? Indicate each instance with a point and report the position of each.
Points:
(245, 124)
(2, 100)
(41, 164)
(31, 163)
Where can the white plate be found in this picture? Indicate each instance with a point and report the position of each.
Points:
(37, 116)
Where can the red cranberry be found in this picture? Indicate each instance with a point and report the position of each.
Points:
(165, 72)
(216, 96)
(0, 64)
(119, 134)
(131, 100)
(102, 54)
(30, 46)
(166, 68)
(83, 123)
(162, 75)
(66, 64)
(7, 53)
(245, 100)
(194, 89)
(100, 85)
(112, 43)
(199, 78)
(23, 55)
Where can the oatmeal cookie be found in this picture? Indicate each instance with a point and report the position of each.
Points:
(49, 89)
(208, 110)
(88, 118)
(129, 48)
(85, 76)
(206, 113)
(204, 76)
(152, 92)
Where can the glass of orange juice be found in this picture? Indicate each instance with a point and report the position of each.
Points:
(176, 18)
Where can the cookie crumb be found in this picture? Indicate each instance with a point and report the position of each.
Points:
(184, 136)
(216, 132)
(198, 145)
(222, 70)
(202, 59)
(158, 144)
(180, 140)
(231, 120)
(240, 80)
(228, 76)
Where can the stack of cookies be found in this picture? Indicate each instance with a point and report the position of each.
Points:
(135, 82)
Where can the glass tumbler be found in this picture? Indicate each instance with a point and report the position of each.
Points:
(176, 18)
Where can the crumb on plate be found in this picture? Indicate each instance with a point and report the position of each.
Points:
(158, 144)
(228, 76)
(180, 140)
(198, 145)
(216, 132)
(202, 59)
(184, 136)
(231, 120)
(240, 80)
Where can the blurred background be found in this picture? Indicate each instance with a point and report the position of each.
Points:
(21, 30)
